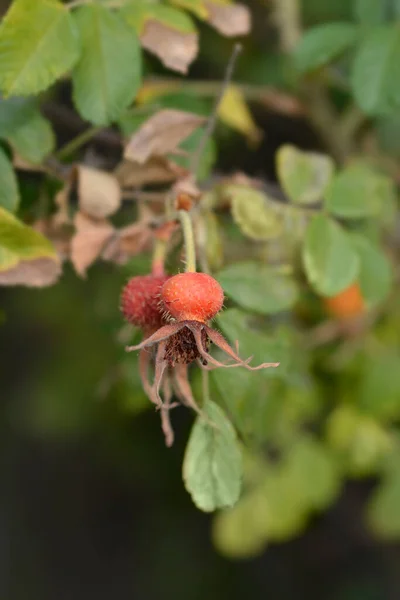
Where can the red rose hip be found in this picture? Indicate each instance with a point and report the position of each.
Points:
(192, 297)
(140, 301)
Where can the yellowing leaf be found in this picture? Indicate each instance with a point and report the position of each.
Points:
(38, 43)
(235, 113)
(256, 217)
(26, 257)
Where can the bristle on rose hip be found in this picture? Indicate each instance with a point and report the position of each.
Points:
(140, 301)
(192, 297)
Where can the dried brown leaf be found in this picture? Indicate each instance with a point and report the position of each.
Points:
(99, 192)
(176, 49)
(229, 19)
(39, 272)
(58, 233)
(128, 242)
(161, 134)
(157, 169)
(89, 241)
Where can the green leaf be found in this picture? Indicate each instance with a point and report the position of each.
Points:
(9, 195)
(38, 44)
(197, 7)
(323, 44)
(329, 259)
(34, 139)
(212, 467)
(376, 275)
(358, 192)
(24, 127)
(304, 176)
(369, 12)
(383, 512)
(376, 71)
(358, 439)
(379, 393)
(108, 74)
(254, 212)
(177, 19)
(258, 287)
(242, 531)
(311, 466)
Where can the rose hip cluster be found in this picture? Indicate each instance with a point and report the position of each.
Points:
(173, 312)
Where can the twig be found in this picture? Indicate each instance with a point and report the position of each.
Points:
(288, 21)
(195, 161)
(77, 142)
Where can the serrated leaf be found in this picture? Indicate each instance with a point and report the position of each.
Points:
(329, 259)
(26, 256)
(212, 467)
(376, 71)
(376, 274)
(324, 43)
(358, 192)
(107, 77)
(258, 287)
(38, 44)
(304, 176)
(9, 194)
(253, 212)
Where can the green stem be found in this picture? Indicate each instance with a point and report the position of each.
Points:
(77, 142)
(188, 238)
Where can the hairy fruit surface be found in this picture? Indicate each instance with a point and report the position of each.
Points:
(192, 297)
(140, 301)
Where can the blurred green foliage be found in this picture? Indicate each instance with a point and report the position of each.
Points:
(330, 220)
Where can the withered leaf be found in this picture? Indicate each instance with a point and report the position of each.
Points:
(89, 241)
(176, 49)
(26, 257)
(99, 192)
(157, 169)
(229, 19)
(39, 272)
(161, 134)
(128, 242)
